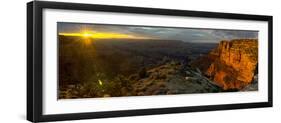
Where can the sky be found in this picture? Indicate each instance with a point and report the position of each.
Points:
(196, 35)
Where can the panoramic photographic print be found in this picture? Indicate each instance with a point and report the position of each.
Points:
(102, 60)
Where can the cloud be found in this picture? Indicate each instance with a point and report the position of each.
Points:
(184, 34)
(230, 34)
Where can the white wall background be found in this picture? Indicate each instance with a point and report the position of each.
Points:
(13, 61)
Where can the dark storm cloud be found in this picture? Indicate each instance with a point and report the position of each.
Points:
(184, 34)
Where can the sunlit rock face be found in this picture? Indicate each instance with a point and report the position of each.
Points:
(232, 64)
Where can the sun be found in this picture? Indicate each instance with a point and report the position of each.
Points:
(87, 34)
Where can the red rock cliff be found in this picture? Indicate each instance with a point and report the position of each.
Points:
(232, 64)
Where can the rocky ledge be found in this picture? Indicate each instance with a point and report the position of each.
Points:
(174, 78)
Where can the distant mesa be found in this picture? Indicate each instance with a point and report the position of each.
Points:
(232, 65)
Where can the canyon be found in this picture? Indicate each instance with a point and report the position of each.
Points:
(114, 68)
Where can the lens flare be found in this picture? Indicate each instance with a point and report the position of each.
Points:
(100, 82)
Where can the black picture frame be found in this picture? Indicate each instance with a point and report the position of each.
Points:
(34, 60)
